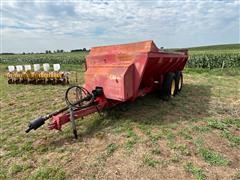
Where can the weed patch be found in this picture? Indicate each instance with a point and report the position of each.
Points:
(130, 143)
(49, 173)
(196, 171)
(212, 157)
(16, 168)
(209, 155)
(237, 175)
(155, 137)
(217, 124)
(149, 161)
(132, 139)
(233, 122)
(182, 148)
(234, 140)
(185, 133)
(111, 148)
(175, 158)
(201, 129)
(168, 134)
(156, 151)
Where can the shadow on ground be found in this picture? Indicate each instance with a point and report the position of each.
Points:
(190, 105)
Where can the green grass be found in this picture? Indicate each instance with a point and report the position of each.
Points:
(150, 133)
(196, 171)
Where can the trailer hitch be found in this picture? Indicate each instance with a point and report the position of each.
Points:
(36, 123)
(76, 97)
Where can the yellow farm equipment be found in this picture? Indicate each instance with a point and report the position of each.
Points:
(25, 75)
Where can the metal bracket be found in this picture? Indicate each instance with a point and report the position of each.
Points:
(72, 119)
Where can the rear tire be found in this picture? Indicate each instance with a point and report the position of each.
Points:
(169, 87)
(179, 81)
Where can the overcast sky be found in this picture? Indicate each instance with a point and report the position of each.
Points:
(34, 26)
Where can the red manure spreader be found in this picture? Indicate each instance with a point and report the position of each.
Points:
(116, 74)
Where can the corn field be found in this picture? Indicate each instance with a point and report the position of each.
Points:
(62, 58)
(214, 59)
(209, 58)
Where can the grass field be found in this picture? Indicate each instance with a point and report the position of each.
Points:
(196, 135)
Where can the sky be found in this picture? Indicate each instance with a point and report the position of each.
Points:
(36, 26)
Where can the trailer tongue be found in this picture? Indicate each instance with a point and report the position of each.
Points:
(82, 104)
(118, 73)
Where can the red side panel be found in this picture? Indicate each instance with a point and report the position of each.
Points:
(125, 70)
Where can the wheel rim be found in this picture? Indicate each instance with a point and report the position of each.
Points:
(180, 83)
(173, 87)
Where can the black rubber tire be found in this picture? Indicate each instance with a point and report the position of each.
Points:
(10, 81)
(179, 81)
(167, 85)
